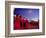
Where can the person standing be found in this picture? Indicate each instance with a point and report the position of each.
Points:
(16, 22)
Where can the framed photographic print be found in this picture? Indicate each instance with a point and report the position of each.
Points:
(24, 18)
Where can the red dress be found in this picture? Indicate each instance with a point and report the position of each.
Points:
(16, 23)
(27, 24)
(22, 23)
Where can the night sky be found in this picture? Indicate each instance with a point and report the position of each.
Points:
(31, 14)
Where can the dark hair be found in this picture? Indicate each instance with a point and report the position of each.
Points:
(17, 14)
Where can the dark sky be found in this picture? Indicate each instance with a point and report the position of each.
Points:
(27, 13)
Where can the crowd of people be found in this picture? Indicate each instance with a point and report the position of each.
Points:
(23, 23)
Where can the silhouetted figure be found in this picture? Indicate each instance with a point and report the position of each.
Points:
(20, 24)
(24, 24)
(21, 21)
